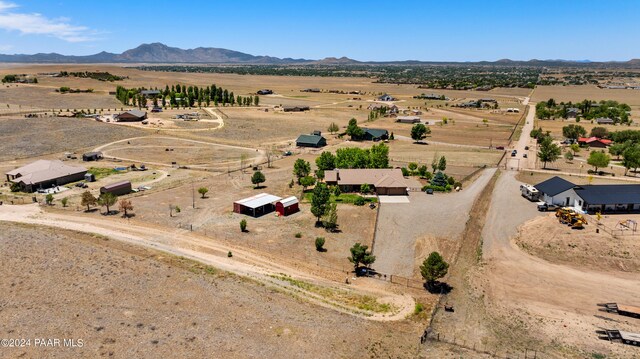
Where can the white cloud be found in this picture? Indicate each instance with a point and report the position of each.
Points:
(36, 24)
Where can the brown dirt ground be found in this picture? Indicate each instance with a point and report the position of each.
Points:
(189, 310)
(544, 237)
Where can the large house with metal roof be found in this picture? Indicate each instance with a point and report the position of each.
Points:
(43, 174)
(311, 141)
(590, 198)
(132, 115)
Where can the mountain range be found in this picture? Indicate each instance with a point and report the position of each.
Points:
(161, 53)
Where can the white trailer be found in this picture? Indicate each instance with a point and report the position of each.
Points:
(529, 192)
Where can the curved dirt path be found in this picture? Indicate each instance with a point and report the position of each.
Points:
(205, 250)
(259, 157)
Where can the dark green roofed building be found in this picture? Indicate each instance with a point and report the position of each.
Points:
(311, 141)
(375, 134)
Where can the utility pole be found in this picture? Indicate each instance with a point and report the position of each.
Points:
(193, 195)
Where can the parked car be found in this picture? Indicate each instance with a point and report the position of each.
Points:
(544, 207)
(288, 153)
(526, 148)
(429, 191)
(524, 155)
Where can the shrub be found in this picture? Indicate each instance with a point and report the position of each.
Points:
(446, 188)
(418, 309)
(243, 225)
(405, 172)
(49, 199)
(359, 201)
(298, 235)
(64, 201)
(320, 244)
(450, 180)
(229, 254)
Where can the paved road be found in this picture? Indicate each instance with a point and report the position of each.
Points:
(439, 215)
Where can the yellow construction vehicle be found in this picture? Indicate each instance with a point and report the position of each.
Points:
(568, 215)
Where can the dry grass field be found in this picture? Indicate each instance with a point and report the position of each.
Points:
(155, 305)
(31, 137)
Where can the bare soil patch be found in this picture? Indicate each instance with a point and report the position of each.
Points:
(188, 310)
(544, 237)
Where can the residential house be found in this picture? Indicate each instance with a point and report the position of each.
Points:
(604, 121)
(386, 97)
(594, 142)
(311, 141)
(383, 181)
(375, 134)
(131, 116)
(43, 174)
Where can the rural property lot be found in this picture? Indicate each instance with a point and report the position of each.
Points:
(52, 280)
(515, 299)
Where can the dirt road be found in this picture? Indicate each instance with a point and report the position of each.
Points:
(205, 250)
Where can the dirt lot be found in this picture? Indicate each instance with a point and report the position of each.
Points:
(188, 310)
(545, 238)
(30, 137)
(47, 98)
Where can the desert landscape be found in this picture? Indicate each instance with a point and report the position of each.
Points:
(205, 202)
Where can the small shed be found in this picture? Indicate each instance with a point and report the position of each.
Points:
(89, 177)
(92, 156)
(118, 188)
(257, 205)
(287, 206)
(408, 119)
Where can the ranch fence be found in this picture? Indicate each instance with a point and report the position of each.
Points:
(614, 232)
(481, 348)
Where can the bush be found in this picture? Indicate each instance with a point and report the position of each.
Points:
(243, 225)
(450, 180)
(320, 244)
(359, 201)
(229, 254)
(298, 235)
(446, 188)
(405, 172)
(418, 309)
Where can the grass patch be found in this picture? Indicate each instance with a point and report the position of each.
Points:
(101, 172)
(359, 301)
(342, 198)
(418, 309)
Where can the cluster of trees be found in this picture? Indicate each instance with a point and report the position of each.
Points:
(458, 77)
(12, 78)
(65, 89)
(100, 76)
(377, 113)
(186, 96)
(105, 200)
(589, 110)
(352, 157)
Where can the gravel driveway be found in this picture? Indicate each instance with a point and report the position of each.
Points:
(438, 215)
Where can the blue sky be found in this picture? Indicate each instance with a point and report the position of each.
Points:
(368, 30)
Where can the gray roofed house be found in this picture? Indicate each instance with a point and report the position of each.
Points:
(604, 121)
(375, 134)
(554, 186)
(45, 173)
(131, 115)
(572, 112)
(386, 97)
(609, 194)
(311, 141)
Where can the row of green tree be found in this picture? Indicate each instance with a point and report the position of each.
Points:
(186, 96)
(100, 76)
(588, 109)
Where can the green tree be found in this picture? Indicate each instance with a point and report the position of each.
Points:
(598, 159)
(442, 163)
(439, 179)
(433, 268)
(107, 199)
(352, 157)
(330, 221)
(307, 181)
(355, 132)
(575, 148)
(326, 161)
(203, 191)
(88, 200)
(617, 149)
(360, 255)
(412, 166)
(301, 168)
(365, 188)
(49, 199)
(257, 178)
(422, 171)
(243, 225)
(64, 201)
(549, 151)
(333, 128)
(568, 156)
(573, 132)
(320, 201)
(256, 100)
(631, 158)
(379, 156)
(320, 244)
(599, 132)
(419, 132)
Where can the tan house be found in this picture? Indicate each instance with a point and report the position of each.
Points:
(384, 181)
(43, 174)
